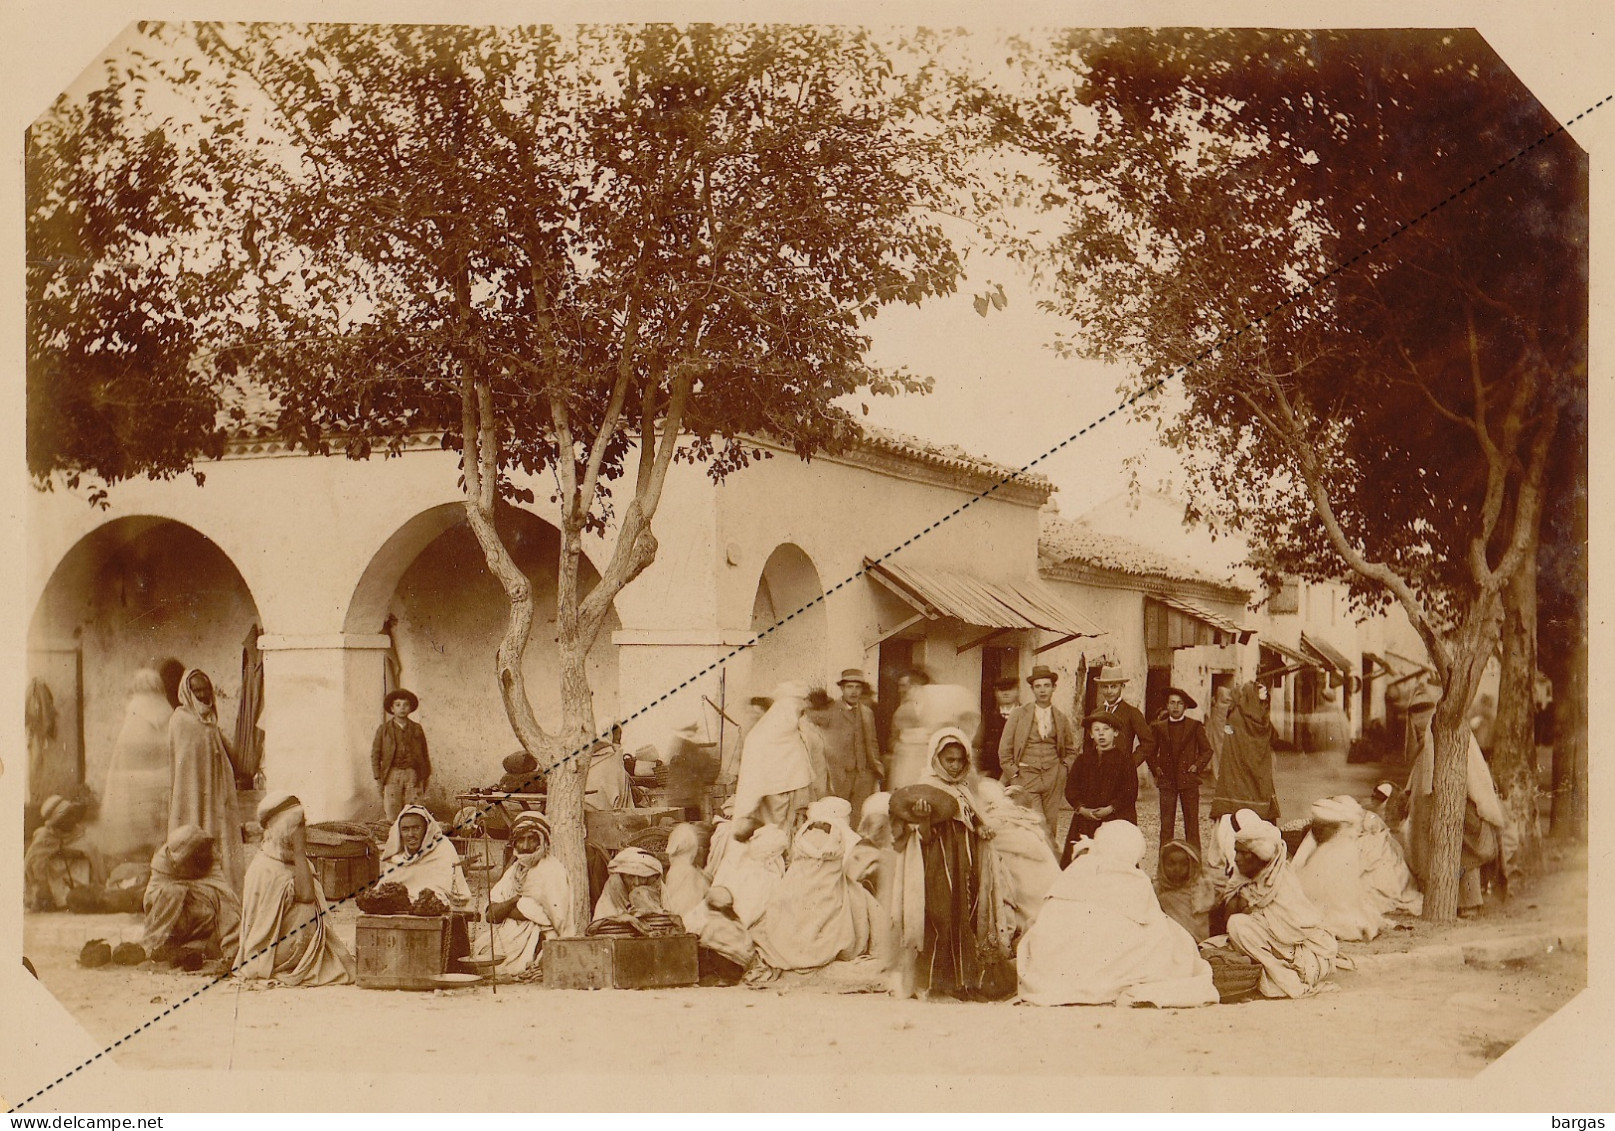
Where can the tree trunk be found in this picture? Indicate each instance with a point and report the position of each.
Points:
(1513, 752)
(569, 779)
(1450, 729)
(1570, 747)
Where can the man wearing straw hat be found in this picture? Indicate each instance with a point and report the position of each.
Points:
(1133, 737)
(1037, 746)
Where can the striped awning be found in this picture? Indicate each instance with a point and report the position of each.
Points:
(976, 601)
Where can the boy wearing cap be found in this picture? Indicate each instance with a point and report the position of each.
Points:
(1036, 748)
(398, 755)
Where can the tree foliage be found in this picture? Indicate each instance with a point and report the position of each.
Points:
(1362, 255)
(579, 255)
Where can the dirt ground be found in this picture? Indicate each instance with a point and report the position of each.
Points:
(1448, 1020)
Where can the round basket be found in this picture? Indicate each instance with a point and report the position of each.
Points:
(653, 841)
(1235, 980)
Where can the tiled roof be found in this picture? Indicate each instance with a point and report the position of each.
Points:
(260, 414)
(950, 457)
(1062, 540)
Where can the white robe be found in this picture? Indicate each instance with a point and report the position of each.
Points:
(1101, 937)
(544, 897)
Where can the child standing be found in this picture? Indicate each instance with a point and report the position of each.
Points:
(398, 756)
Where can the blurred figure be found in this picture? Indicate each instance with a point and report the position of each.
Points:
(776, 771)
(133, 821)
(1217, 727)
(58, 870)
(911, 737)
(1245, 772)
(1006, 697)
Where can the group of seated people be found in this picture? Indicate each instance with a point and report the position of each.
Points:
(948, 887)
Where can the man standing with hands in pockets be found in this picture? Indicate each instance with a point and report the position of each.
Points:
(1037, 746)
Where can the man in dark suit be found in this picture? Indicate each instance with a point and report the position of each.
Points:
(1182, 752)
(1133, 736)
(1036, 748)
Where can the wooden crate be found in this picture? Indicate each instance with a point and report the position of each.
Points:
(620, 964)
(402, 952)
(341, 876)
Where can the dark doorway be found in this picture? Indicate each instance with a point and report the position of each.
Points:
(996, 663)
(1155, 685)
(896, 657)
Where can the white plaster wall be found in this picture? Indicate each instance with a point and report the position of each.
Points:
(166, 592)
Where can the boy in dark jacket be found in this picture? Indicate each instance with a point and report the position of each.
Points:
(398, 755)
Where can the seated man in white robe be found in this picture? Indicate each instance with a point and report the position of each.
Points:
(1270, 918)
(1102, 938)
(420, 857)
(284, 937)
(531, 902)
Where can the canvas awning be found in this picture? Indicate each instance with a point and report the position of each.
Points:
(1290, 660)
(1212, 620)
(1328, 653)
(1001, 606)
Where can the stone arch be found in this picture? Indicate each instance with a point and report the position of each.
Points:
(132, 591)
(429, 589)
(789, 596)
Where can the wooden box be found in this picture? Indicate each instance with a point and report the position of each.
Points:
(620, 964)
(402, 952)
(341, 876)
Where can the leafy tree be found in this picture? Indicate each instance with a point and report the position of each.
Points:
(585, 253)
(1394, 421)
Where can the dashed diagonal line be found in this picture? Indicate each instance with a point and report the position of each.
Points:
(1290, 298)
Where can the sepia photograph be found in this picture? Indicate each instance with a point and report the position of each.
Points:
(804, 561)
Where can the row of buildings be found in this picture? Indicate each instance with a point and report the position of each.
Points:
(307, 587)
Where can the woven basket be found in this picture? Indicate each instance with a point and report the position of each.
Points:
(1234, 980)
(654, 841)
